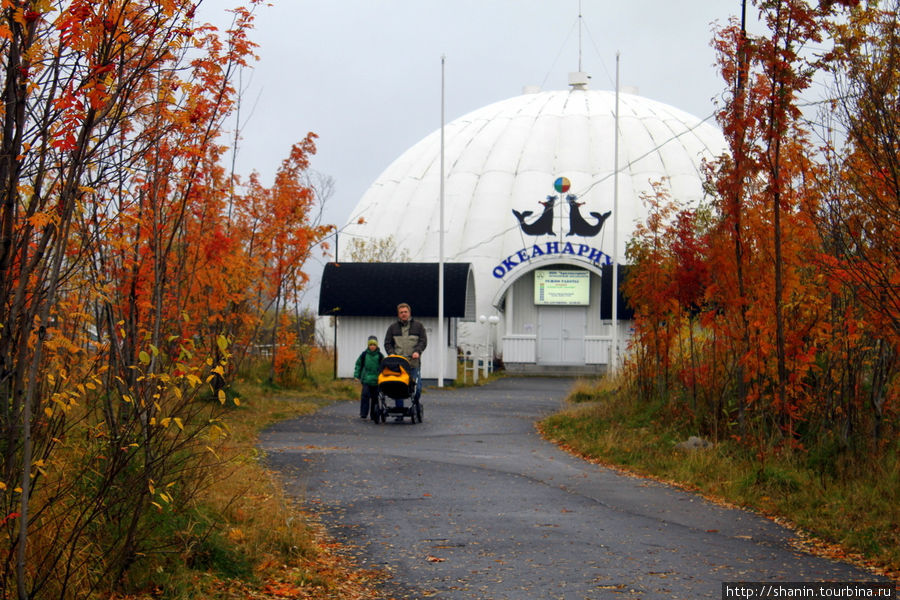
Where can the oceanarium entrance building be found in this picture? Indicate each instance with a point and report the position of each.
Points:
(531, 200)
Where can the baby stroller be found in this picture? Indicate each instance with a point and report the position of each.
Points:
(395, 382)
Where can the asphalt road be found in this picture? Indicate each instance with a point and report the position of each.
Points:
(473, 504)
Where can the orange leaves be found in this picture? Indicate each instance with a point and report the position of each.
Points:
(283, 590)
(40, 220)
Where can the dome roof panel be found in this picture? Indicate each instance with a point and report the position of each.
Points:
(475, 149)
(575, 143)
(539, 150)
(509, 143)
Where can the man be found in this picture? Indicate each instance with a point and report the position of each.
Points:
(407, 338)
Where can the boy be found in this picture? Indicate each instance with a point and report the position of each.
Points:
(367, 366)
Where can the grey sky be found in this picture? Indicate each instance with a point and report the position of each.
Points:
(365, 75)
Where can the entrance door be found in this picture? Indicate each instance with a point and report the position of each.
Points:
(561, 331)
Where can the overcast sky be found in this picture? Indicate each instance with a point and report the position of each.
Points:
(365, 75)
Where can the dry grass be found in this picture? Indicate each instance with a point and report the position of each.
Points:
(258, 543)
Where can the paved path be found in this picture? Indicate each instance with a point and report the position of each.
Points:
(473, 504)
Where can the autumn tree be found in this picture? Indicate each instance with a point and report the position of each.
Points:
(281, 232)
(786, 282)
(860, 220)
(123, 284)
(734, 174)
(75, 77)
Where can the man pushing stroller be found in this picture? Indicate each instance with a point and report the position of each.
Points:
(406, 337)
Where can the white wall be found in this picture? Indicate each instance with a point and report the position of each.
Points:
(354, 331)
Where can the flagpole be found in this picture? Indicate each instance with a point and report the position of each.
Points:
(615, 266)
(441, 349)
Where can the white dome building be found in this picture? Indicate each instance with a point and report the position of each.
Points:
(529, 194)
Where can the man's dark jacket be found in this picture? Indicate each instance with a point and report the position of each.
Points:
(404, 339)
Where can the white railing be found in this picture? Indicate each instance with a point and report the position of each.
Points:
(520, 348)
(523, 349)
(477, 361)
(597, 349)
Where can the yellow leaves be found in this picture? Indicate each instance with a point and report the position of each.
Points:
(214, 433)
(222, 397)
(166, 421)
(144, 357)
(64, 400)
(163, 494)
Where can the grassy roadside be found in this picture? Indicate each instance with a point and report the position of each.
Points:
(847, 511)
(256, 542)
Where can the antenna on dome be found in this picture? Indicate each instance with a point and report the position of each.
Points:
(579, 79)
(580, 21)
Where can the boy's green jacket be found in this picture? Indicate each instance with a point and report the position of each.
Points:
(367, 366)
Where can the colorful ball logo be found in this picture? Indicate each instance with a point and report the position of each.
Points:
(562, 185)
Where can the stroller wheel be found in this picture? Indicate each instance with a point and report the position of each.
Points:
(419, 411)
